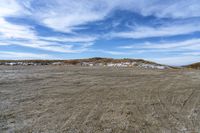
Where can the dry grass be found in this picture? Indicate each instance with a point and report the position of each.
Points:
(194, 66)
(78, 61)
(98, 100)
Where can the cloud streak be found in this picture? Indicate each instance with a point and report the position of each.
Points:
(139, 32)
(22, 55)
(191, 44)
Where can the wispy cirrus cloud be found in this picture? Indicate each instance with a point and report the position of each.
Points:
(65, 15)
(169, 8)
(192, 53)
(10, 31)
(76, 39)
(191, 44)
(139, 32)
(10, 7)
(23, 55)
(26, 35)
(111, 52)
(49, 46)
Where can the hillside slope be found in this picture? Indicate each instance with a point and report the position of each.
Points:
(194, 66)
(97, 61)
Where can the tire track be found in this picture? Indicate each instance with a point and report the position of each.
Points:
(159, 103)
(165, 106)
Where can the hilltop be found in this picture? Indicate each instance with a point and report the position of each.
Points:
(96, 61)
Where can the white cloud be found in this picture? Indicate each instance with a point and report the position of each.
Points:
(10, 31)
(192, 53)
(111, 52)
(65, 15)
(23, 35)
(22, 55)
(165, 9)
(70, 39)
(12, 34)
(9, 7)
(50, 46)
(191, 44)
(162, 31)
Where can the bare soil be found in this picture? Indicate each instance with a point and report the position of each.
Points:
(56, 99)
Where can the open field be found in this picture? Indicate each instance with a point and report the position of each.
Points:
(98, 100)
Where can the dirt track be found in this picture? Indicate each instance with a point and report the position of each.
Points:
(98, 100)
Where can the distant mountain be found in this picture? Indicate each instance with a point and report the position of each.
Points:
(96, 61)
(194, 66)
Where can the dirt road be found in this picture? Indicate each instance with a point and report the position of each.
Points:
(67, 99)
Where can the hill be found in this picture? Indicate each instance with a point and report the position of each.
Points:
(194, 66)
(96, 61)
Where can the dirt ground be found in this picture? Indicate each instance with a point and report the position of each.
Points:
(56, 99)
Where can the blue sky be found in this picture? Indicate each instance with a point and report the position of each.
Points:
(167, 32)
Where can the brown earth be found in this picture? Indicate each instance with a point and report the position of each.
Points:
(55, 99)
(194, 66)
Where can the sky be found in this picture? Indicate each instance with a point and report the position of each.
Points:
(164, 31)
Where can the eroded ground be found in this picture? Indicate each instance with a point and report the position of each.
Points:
(98, 100)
